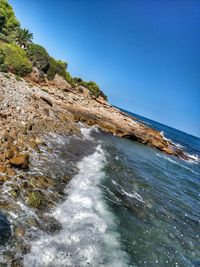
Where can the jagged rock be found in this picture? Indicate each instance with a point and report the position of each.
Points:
(20, 160)
(35, 199)
(9, 154)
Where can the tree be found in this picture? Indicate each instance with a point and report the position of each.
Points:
(8, 21)
(23, 37)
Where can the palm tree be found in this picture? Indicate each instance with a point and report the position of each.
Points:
(23, 37)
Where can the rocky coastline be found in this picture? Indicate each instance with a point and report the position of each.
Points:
(31, 108)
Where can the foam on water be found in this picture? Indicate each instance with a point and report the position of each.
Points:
(86, 132)
(89, 236)
(169, 140)
(175, 162)
(133, 195)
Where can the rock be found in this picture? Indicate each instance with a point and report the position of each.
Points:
(5, 230)
(35, 199)
(1, 180)
(50, 225)
(47, 100)
(20, 232)
(10, 172)
(2, 168)
(15, 191)
(38, 141)
(60, 83)
(9, 154)
(41, 182)
(66, 179)
(20, 160)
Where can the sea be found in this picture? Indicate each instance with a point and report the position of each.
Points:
(127, 204)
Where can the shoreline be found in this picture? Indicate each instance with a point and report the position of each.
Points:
(28, 112)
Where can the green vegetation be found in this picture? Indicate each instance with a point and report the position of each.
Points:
(38, 56)
(14, 59)
(92, 86)
(70, 80)
(56, 67)
(8, 22)
(18, 54)
(23, 38)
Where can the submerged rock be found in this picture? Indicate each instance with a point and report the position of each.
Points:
(35, 199)
(5, 230)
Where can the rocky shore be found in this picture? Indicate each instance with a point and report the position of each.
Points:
(31, 108)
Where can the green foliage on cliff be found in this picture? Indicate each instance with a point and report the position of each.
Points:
(92, 86)
(20, 57)
(38, 57)
(70, 80)
(23, 37)
(14, 59)
(56, 67)
(8, 21)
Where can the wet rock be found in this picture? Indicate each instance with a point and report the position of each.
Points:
(6, 205)
(35, 199)
(32, 222)
(66, 179)
(5, 230)
(1, 180)
(20, 232)
(15, 191)
(42, 182)
(50, 225)
(20, 160)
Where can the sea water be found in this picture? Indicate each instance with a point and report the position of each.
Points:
(126, 205)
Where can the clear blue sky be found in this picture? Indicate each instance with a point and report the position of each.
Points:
(145, 55)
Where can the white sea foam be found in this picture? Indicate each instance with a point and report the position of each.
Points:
(193, 158)
(89, 236)
(133, 195)
(169, 140)
(86, 132)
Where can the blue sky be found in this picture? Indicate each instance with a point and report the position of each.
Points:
(145, 55)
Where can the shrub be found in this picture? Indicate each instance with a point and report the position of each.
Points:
(38, 57)
(14, 59)
(8, 21)
(61, 68)
(78, 80)
(92, 86)
(70, 80)
(51, 72)
(56, 67)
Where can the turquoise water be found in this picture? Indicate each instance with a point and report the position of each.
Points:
(126, 205)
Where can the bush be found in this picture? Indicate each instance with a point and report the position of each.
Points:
(14, 59)
(39, 57)
(8, 21)
(51, 72)
(61, 68)
(92, 86)
(70, 80)
(56, 67)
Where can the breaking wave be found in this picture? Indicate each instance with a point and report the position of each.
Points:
(88, 236)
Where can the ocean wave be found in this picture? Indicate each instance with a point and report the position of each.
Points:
(88, 237)
(171, 141)
(133, 195)
(193, 158)
(86, 132)
(175, 162)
